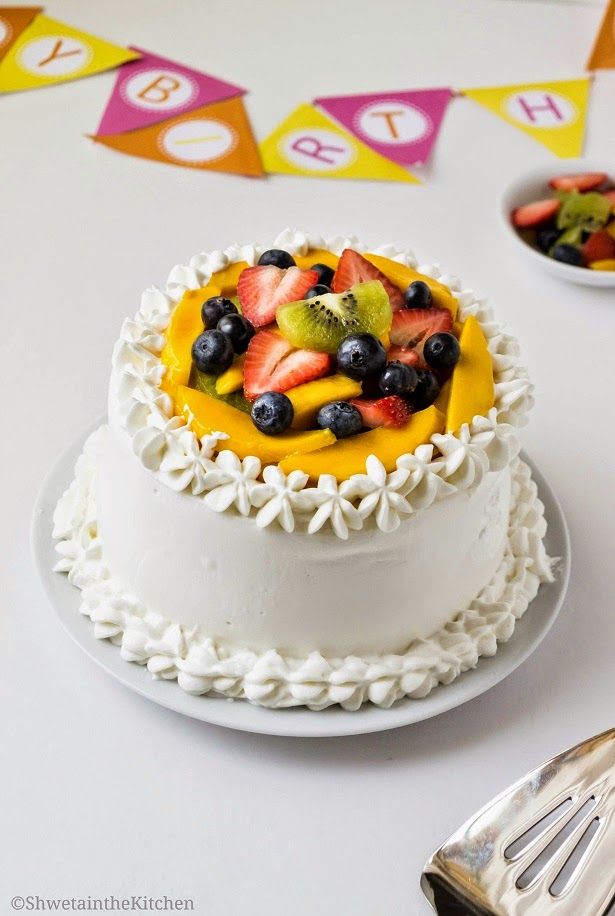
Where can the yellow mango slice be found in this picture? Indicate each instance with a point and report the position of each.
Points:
(317, 256)
(606, 264)
(228, 278)
(307, 399)
(348, 456)
(403, 276)
(232, 379)
(209, 415)
(185, 326)
(472, 390)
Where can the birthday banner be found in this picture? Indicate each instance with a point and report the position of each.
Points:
(171, 113)
(48, 52)
(602, 56)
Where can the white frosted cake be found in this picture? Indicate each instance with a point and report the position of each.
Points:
(309, 488)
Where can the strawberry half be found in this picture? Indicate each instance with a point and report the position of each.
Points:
(354, 268)
(410, 330)
(600, 246)
(391, 411)
(273, 364)
(540, 211)
(586, 181)
(262, 289)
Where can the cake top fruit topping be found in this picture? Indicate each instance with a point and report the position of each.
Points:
(310, 352)
(575, 224)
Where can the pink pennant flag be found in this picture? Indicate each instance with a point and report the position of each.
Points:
(154, 88)
(403, 126)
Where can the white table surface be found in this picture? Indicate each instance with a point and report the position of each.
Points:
(106, 793)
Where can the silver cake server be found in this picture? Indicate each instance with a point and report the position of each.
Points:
(544, 847)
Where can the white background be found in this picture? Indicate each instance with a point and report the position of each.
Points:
(107, 793)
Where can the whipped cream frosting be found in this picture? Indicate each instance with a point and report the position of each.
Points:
(167, 447)
(172, 650)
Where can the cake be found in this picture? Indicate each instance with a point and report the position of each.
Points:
(308, 490)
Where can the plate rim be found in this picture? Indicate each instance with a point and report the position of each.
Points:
(298, 722)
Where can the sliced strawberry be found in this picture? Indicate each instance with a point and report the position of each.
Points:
(262, 289)
(409, 357)
(540, 211)
(354, 268)
(610, 195)
(410, 330)
(273, 364)
(586, 181)
(391, 411)
(600, 246)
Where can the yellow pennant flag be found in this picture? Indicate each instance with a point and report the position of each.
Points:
(309, 143)
(603, 52)
(553, 113)
(49, 52)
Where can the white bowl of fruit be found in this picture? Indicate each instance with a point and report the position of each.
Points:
(565, 220)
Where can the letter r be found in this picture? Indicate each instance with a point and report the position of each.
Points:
(314, 149)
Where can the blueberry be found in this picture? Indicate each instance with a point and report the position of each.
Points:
(568, 254)
(325, 273)
(398, 378)
(441, 350)
(277, 258)
(272, 413)
(319, 290)
(239, 331)
(213, 309)
(361, 355)
(212, 352)
(342, 418)
(417, 296)
(426, 391)
(546, 237)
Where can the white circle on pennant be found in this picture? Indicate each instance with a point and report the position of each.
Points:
(198, 140)
(395, 123)
(5, 31)
(159, 90)
(52, 56)
(540, 108)
(316, 149)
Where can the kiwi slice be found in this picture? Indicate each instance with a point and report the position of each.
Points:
(322, 323)
(589, 211)
(206, 383)
(571, 236)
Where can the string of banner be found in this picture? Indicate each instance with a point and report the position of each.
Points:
(165, 111)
